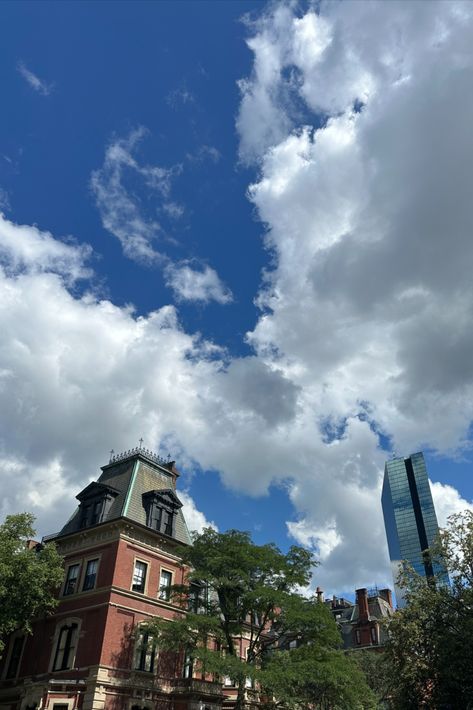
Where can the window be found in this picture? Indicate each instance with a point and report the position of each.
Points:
(374, 635)
(167, 522)
(15, 656)
(71, 579)
(161, 508)
(65, 648)
(95, 503)
(139, 577)
(145, 652)
(165, 585)
(197, 598)
(188, 665)
(357, 636)
(90, 575)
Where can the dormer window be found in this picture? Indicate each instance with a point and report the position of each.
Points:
(161, 510)
(95, 503)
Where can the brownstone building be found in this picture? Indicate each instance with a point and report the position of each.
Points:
(122, 553)
(361, 623)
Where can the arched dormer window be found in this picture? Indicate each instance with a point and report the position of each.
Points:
(161, 509)
(95, 503)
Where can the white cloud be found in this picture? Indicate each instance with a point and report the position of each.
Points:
(194, 518)
(362, 140)
(180, 95)
(447, 501)
(191, 284)
(4, 200)
(39, 85)
(26, 248)
(365, 320)
(123, 216)
(119, 209)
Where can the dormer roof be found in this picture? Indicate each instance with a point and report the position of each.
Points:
(95, 490)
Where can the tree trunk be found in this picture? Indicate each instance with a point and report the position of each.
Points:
(240, 701)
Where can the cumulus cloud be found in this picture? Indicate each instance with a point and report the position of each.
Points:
(191, 284)
(27, 248)
(364, 162)
(364, 166)
(195, 519)
(39, 85)
(447, 501)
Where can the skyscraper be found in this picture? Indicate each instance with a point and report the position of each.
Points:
(409, 518)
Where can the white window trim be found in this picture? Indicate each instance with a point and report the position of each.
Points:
(83, 570)
(171, 572)
(59, 625)
(67, 566)
(148, 567)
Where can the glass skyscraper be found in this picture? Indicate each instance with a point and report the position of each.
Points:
(409, 518)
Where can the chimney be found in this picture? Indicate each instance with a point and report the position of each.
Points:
(387, 595)
(362, 601)
(320, 594)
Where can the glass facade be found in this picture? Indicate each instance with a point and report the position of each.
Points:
(409, 517)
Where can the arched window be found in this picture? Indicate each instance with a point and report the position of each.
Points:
(66, 644)
(145, 652)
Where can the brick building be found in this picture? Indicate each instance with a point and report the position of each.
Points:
(122, 552)
(361, 623)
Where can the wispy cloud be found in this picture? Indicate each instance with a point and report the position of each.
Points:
(180, 95)
(119, 208)
(39, 85)
(204, 152)
(142, 235)
(4, 200)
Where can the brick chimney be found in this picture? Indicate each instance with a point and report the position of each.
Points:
(363, 609)
(386, 594)
(320, 594)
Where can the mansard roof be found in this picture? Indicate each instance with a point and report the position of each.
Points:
(131, 477)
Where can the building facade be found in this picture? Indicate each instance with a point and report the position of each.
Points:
(409, 518)
(122, 551)
(361, 623)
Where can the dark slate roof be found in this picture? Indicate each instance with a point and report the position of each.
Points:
(130, 478)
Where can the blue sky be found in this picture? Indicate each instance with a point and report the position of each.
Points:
(245, 239)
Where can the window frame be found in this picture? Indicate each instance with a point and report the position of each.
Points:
(18, 635)
(86, 562)
(145, 645)
(146, 563)
(69, 565)
(164, 592)
(71, 644)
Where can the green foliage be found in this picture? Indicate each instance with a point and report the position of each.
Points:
(316, 676)
(430, 650)
(253, 591)
(377, 670)
(28, 578)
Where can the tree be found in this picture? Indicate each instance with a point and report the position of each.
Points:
(236, 589)
(430, 650)
(29, 577)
